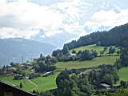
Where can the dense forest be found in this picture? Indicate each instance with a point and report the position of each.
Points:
(114, 36)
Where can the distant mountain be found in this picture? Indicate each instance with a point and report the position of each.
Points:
(19, 50)
(115, 36)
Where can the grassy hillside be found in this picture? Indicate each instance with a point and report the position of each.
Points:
(39, 84)
(87, 64)
(89, 47)
(46, 83)
(93, 47)
(123, 74)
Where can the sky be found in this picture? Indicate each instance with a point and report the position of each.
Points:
(59, 21)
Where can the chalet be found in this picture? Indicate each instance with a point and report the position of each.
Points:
(105, 86)
(48, 73)
(7, 90)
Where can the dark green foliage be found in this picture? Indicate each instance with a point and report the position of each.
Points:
(122, 92)
(107, 74)
(124, 57)
(113, 37)
(21, 85)
(111, 50)
(73, 51)
(94, 53)
(123, 84)
(64, 55)
(44, 64)
(43, 67)
(86, 55)
(85, 83)
(65, 50)
(73, 85)
(57, 53)
(118, 52)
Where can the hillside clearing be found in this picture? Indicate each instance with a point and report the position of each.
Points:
(123, 74)
(94, 47)
(86, 64)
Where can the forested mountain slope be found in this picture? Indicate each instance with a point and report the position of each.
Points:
(105, 38)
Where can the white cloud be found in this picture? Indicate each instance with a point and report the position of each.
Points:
(23, 18)
(12, 33)
(108, 18)
(28, 15)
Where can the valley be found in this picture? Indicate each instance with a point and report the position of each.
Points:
(95, 64)
(42, 84)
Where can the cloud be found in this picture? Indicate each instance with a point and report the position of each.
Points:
(25, 15)
(31, 18)
(108, 19)
(13, 33)
(28, 16)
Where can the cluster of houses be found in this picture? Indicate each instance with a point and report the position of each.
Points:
(13, 70)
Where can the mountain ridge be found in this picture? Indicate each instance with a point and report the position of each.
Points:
(104, 38)
(19, 50)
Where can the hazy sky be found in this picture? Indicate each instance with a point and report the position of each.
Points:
(59, 21)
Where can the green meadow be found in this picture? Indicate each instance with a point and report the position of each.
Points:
(39, 84)
(42, 84)
(123, 74)
(87, 64)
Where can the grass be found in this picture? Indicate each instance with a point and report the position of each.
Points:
(93, 47)
(9, 80)
(45, 83)
(39, 84)
(89, 47)
(42, 84)
(86, 64)
(123, 74)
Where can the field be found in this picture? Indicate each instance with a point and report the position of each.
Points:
(42, 84)
(46, 83)
(39, 84)
(94, 47)
(87, 64)
(123, 74)
(89, 47)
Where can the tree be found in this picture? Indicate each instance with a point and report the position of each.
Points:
(42, 57)
(122, 92)
(105, 48)
(73, 51)
(79, 52)
(21, 85)
(111, 50)
(86, 55)
(124, 57)
(94, 53)
(57, 53)
(65, 50)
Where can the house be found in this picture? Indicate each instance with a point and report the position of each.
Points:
(48, 73)
(105, 86)
(7, 90)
